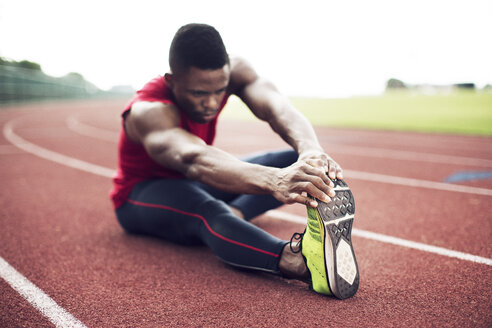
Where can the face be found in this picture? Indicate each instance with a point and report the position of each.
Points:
(200, 92)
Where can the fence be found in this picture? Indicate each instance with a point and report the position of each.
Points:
(21, 84)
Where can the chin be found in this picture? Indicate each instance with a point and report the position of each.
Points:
(202, 120)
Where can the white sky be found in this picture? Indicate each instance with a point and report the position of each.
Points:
(312, 48)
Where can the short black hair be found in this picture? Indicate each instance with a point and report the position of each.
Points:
(197, 45)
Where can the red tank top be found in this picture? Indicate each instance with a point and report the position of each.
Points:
(134, 164)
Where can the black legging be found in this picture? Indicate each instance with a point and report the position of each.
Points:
(189, 212)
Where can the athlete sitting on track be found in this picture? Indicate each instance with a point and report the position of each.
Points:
(172, 183)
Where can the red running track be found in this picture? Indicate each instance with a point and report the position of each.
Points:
(59, 232)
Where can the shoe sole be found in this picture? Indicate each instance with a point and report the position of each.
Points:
(337, 217)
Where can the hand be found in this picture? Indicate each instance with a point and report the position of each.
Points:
(322, 160)
(294, 183)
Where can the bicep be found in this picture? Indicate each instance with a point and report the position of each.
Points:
(156, 127)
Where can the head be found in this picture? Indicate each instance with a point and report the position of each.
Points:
(199, 71)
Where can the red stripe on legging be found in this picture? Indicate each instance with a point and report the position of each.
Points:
(205, 222)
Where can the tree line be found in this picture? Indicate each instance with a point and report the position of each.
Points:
(24, 80)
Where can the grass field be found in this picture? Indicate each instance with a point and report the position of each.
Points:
(463, 112)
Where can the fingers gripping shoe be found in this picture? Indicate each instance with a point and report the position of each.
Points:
(327, 245)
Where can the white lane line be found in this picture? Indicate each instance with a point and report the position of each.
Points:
(410, 155)
(53, 156)
(409, 182)
(106, 172)
(359, 175)
(37, 298)
(279, 215)
(98, 133)
(90, 131)
(75, 125)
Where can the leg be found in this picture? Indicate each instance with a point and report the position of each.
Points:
(179, 211)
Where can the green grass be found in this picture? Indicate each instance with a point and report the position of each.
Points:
(461, 112)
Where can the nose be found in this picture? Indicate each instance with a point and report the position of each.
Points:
(211, 102)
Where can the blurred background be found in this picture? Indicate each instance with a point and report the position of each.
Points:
(310, 49)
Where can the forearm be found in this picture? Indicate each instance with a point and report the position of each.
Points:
(268, 104)
(225, 172)
(289, 123)
(214, 167)
(295, 129)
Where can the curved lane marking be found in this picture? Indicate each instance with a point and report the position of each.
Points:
(75, 125)
(8, 131)
(91, 131)
(84, 129)
(106, 172)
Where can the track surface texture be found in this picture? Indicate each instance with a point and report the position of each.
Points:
(58, 231)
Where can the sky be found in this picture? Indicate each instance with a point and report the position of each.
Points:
(306, 48)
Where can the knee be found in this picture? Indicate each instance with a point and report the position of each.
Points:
(218, 216)
(213, 208)
(127, 223)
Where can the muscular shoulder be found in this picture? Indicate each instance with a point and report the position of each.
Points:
(147, 117)
(242, 74)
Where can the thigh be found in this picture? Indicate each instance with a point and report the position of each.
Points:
(165, 208)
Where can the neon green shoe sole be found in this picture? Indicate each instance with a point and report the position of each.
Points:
(327, 245)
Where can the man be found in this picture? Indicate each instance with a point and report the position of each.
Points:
(172, 183)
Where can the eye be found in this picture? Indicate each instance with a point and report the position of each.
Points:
(198, 93)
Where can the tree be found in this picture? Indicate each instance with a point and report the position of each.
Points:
(395, 84)
(22, 64)
(29, 65)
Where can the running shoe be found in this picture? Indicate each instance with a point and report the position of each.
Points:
(327, 245)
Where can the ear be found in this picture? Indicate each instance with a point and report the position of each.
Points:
(169, 78)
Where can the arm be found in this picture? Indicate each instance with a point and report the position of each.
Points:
(156, 127)
(269, 105)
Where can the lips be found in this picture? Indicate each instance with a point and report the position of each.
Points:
(209, 115)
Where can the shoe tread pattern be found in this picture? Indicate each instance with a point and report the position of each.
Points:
(341, 205)
(336, 233)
